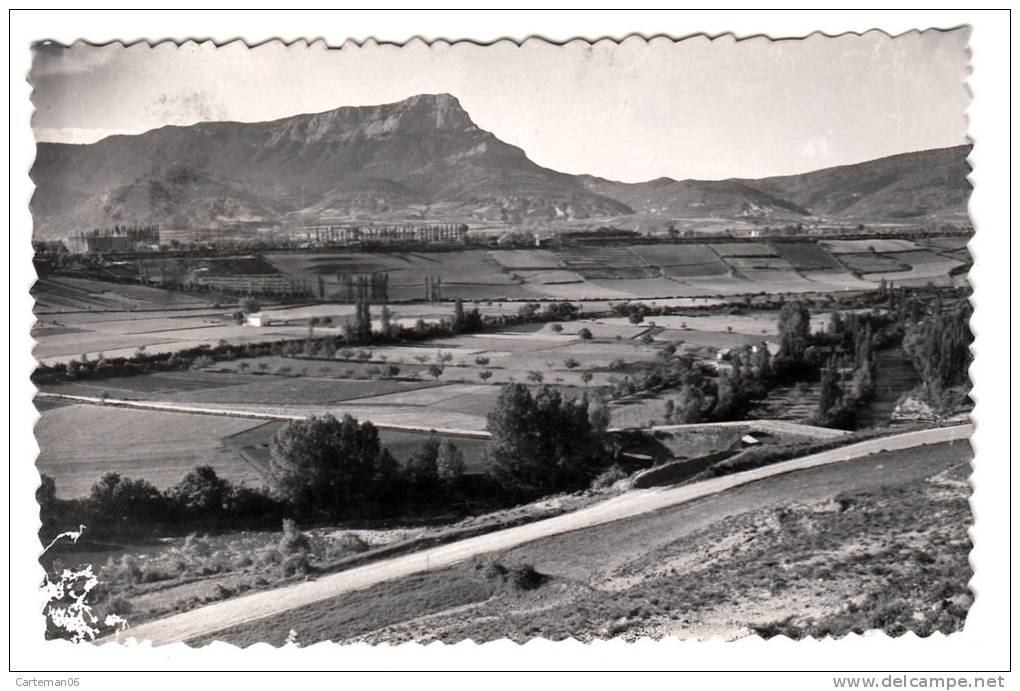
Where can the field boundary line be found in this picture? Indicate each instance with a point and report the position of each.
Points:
(254, 415)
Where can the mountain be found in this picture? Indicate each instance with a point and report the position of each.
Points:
(913, 185)
(695, 198)
(401, 158)
(424, 158)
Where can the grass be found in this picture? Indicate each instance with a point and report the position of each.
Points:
(79, 443)
(356, 614)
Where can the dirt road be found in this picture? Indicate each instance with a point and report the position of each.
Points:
(212, 618)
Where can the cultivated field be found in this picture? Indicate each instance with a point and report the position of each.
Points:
(879, 245)
(79, 443)
(66, 294)
(873, 263)
(805, 256)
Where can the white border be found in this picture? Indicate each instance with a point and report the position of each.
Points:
(983, 645)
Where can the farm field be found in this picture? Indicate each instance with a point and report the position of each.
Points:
(122, 337)
(778, 281)
(526, 259)
(805, 256)
(641, 287)
(837, 281)
(581, 272)
(676, 255)
(775, 263)
(949, 243)
(549, 277)
(743, 249)
(405, 269)
(58, 294)
(714, 268)
(880, 245)
(79, 443)
(873, 263)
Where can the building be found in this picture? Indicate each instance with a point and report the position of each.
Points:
(116, 239)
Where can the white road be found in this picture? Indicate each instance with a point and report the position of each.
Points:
(215, 617)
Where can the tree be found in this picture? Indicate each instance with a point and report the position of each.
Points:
(119, 501)
(201, 494)
(385, 322)
(421, 469)
(449, 464)
(535, 377)
(249, 305)
(794, 330)
(543, 443)
(481, 361)
(485, 375)
(436, 370)
(584, 334)
(829, 395)
(689, 405)
(391, 370)
(586, 377)
(571, 363)
(326, 466)
(46, 497)
(459, 320)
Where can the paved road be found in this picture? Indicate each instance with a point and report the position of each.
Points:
(215, 617)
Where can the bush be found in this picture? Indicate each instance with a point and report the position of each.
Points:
(608, 477)
(293, 540)
(525, 577)
(296, 564)
(345, 545)
(195, 547)
(517, 576)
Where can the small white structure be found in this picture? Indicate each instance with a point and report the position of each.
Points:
(258, 319)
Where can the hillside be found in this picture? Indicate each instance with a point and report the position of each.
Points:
(696, 198)
(397, 158)
(906, 186)
(424, 158)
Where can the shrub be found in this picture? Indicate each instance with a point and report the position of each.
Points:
(296, 564)
(517, 576)
(125, 570)
(293, 540)
(525, 577)
(344, 545)
(196, 547)
(608, 477)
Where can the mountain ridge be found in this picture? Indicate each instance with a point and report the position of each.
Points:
(425, 158)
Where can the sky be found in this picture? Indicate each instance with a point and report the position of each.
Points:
(631, 111)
